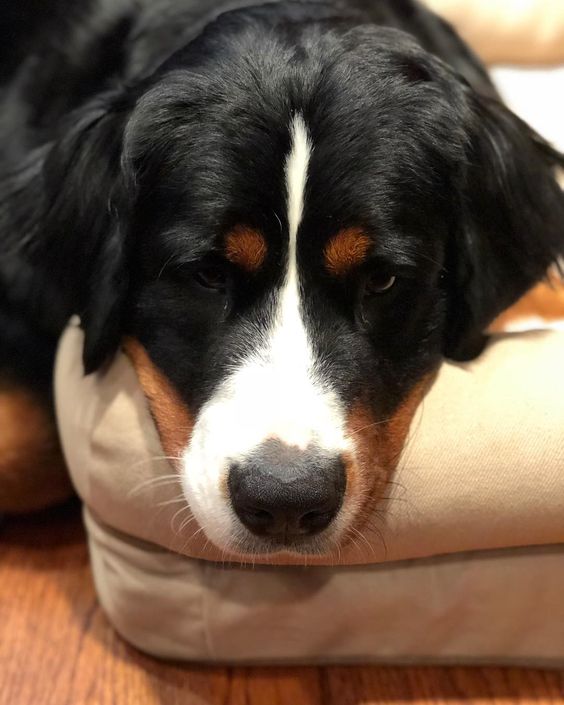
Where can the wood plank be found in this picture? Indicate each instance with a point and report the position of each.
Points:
(56, 648)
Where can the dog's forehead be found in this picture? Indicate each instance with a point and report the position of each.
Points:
(215, 157)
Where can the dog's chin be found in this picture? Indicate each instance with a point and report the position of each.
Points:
(298, 549)
(245, 547)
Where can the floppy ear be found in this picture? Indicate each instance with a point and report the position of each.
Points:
(81, 242)
(512, 225)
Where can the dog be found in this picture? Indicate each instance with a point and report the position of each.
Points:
(287, 215)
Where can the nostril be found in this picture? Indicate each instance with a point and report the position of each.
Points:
(257, 517)
(316, 521)
(260, 514)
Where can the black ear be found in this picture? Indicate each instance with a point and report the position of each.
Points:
(82, 241)
(512, 225)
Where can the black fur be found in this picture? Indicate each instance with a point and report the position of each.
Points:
(133, 135)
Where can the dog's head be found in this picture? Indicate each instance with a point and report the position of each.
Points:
(290, 224)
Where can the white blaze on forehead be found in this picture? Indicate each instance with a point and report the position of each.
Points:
(297, 168)
(276, 392)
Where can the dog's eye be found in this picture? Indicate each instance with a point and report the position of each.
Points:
(212, 277)
(373, 293)
(377, 284)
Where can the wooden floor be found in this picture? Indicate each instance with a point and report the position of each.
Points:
(56, 648)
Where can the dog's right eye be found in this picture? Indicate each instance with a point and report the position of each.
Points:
(378, 284)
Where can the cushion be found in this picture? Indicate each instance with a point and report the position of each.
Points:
(466, 564)
(508, 31)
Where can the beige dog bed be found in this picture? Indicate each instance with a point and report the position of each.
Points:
(466, 565)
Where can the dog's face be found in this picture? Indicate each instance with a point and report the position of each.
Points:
(302, 225)
(298, 315)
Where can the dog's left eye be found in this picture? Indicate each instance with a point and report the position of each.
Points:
(212, 277)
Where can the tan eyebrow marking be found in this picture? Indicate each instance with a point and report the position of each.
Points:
(246, 247)
(346, 250)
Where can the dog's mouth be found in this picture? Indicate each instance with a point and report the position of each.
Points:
(245, 547)
(291, 547)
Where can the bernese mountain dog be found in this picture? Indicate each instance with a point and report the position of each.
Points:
(287, 214)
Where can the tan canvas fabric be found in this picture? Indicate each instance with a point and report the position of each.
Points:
(500, 607)
(509, 31)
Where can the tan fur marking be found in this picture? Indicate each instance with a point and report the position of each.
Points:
(33, 474)
(246, 248)
(346, 251)
(545, 301)
(379, 444)
(173, 419)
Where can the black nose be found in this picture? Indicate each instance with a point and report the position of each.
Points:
(284, 492)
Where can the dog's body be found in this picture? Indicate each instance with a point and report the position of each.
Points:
(288, 217)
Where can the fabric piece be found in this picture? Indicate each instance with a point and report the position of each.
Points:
(508, 31)
(499, 607)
